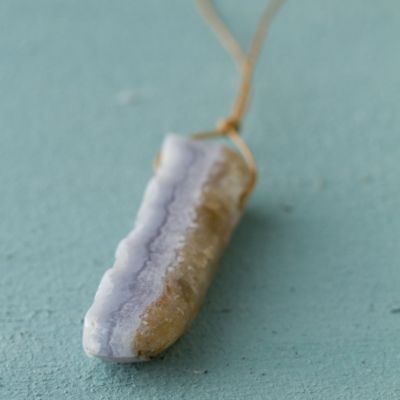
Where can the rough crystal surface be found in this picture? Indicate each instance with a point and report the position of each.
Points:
(164, 266)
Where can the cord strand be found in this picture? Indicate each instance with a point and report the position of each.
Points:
(245, 61)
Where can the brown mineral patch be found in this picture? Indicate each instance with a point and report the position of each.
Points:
(186, 282)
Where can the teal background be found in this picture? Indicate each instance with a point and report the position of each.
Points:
(306, 301)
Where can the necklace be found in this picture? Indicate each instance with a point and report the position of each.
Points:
(165, 265)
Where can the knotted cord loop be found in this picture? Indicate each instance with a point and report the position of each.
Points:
(226, 125)
(230, 126)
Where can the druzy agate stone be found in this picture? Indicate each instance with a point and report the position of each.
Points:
(164, 266)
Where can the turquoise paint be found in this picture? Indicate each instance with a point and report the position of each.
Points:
(302, 305)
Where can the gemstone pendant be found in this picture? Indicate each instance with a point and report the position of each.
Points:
(165, 265)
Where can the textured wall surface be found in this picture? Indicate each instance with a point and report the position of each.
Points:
(306, 303)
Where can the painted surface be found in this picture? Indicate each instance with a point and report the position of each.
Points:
(306, 302)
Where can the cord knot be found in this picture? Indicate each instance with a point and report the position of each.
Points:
(228, 124)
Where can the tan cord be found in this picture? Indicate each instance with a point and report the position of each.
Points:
(230, 126)
(245, 62)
